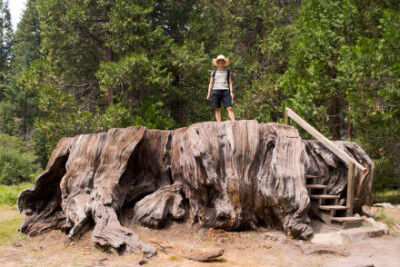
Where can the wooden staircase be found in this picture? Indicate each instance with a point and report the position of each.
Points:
(327, 207)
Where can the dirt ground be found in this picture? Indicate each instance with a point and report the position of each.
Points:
(248, 248)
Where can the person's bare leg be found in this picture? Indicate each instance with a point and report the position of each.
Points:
(218, 114)
(231, 114)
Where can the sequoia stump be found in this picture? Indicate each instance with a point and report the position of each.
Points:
(230, 175)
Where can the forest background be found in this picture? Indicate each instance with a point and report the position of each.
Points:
(82, 66)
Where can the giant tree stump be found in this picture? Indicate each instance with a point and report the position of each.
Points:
(229, 175)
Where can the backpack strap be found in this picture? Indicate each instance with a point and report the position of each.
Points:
(228, 74)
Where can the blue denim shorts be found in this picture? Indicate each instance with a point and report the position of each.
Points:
(221, 95)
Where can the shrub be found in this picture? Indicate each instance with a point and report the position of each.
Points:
(386, 177)
(152, 116)
(17, 162)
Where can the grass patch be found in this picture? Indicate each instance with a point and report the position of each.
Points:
(9, 194)
(386, 219)
(10, 218)
(391, 196)
(9, 222)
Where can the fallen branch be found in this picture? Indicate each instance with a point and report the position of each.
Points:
(188, 254)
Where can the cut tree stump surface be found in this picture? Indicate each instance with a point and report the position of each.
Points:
(229, 175)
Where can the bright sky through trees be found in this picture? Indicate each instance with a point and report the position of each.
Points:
(16, 7)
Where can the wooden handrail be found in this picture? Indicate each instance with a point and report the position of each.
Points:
(320, 137)
(349, 161)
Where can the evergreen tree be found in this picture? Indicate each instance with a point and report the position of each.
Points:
(312, 80)
(18, 106)
(372, 74)
(101, 60)
(343, 72)
(6, 35)
(26, 39)
(259, 34)
(88, 65)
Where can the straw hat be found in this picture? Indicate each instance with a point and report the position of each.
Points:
(214, 61)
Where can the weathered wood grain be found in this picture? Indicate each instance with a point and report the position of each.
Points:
(153, 209)
(243, 174)
(333, 171)
(229, 175)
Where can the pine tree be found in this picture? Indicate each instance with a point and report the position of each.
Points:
(312, 81)
(371, 71)
(26, 39)
(6, 35)
(18, 104)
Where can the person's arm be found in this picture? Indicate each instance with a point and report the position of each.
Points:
(231, 87)
(210, 86)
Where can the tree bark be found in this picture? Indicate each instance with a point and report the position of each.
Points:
(109, 92)
(334, 119)
(349, 123)
(229, 175)
(108, 55)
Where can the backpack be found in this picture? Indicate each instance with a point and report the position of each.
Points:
(228, 74)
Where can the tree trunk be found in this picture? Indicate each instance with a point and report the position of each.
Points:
(230, 175)
(109, 92)
(108, 57)
(334, 119)
(349, 123)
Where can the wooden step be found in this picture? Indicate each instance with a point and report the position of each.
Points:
(332, 207)
(316, 186)
(324, 197)
(346, 219)
(346, 222)
(311, 176)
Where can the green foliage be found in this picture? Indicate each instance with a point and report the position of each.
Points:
(84, 66)
(256, 37)
(26, 40)
(61, 116)
(151, 116)
(18, 106)
(8, 230)
(388, 195)
(133, 74)
(116, 116)
(10, 219)
(343, 73)
(385, 175)
(372, 74)
(312, 81)
(17, 163)
(9, 194)
(387, 219)
(6, 35)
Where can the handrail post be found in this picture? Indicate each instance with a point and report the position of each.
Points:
(350, 189)
(287, 119)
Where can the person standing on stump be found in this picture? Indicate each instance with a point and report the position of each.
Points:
(221, 87)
